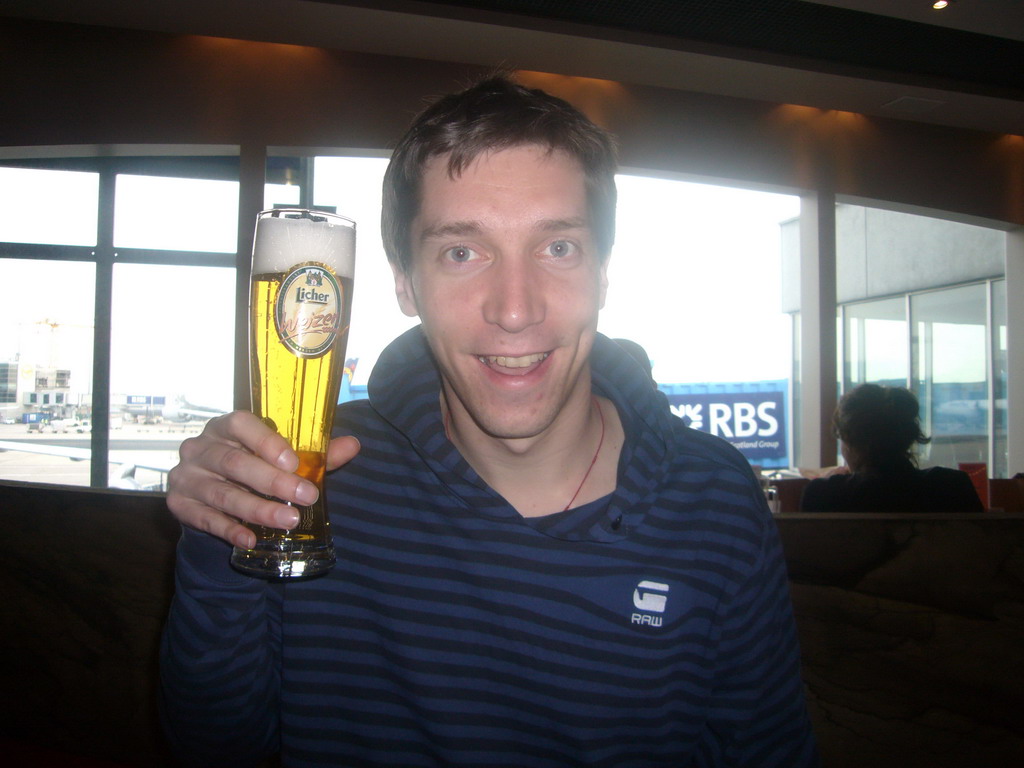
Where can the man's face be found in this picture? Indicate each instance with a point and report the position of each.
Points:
(507, 284)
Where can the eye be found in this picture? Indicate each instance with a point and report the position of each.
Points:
(561, 249)
(460, 254)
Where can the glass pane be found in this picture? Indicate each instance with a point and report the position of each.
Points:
(51, 207)
(171, 363)
(280, 195)
(173, 214)
(678, 245)
(875, 340)
(46, 335)
(352, 185)
(285, 176)
(695, 278)
(796, 388)
(951, 373)
(1000, 459)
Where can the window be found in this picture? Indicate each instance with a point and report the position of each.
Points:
(923, 305)
(951, 373)
(8, 386)
(711, 256)
(351, 187)
(175, 214)
(678, 245)
(167, 266)
(148, 244)
(46, 343)
(1000, 381)
(170, 356)
(875, 342)
(173, 225)
(53, 207)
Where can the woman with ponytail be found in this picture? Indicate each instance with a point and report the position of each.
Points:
(879, 428)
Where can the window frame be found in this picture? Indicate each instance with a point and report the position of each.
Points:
(996, 467)
(191, 162)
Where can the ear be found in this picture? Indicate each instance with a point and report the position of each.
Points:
(604, 281)
(404, 291)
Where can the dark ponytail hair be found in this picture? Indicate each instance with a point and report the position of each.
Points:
(881, 424)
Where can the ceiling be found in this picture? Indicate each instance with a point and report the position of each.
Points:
(961, 67)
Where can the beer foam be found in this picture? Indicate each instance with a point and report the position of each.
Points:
(282, 242)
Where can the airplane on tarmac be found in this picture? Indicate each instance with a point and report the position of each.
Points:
(180, 409)
(125, 476)
(151, 409)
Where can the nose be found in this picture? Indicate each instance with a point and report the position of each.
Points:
(515, 295)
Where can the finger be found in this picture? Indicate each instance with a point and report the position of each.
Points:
(341, 450)
(247, 430)
(203, 518)
(243, 468)
(243, 504)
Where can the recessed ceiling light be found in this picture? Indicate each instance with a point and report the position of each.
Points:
(940, 4)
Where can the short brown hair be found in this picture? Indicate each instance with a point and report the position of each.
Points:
(496, 113)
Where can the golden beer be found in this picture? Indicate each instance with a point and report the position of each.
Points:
(300, 304)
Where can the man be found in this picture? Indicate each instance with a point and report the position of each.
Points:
(537, 564)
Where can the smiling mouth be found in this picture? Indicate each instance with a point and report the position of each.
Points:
(513, 362)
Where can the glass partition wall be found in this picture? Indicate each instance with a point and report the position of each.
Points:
(999, 378)
(875, 343)
(922, 304)
(951, 373)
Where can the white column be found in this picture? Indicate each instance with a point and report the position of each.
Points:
(1015, 349)
(817, 329)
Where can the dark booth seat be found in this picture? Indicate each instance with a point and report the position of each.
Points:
(911, 628)
(87, 584)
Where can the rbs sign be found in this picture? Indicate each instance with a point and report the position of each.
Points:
(754, 422)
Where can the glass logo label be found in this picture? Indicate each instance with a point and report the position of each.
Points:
(307, 310)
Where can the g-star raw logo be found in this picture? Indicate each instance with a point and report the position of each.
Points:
(648, 597)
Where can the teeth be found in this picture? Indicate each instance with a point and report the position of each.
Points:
(514, 362)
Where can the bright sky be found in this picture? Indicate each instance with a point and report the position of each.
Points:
(695, 279)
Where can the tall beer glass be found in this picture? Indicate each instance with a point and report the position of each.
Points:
(300, 302)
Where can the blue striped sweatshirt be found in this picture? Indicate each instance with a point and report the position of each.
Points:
(649, 628)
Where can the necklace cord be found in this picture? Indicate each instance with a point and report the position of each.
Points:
(593, 461)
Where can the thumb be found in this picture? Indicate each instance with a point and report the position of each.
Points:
(341, 450)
